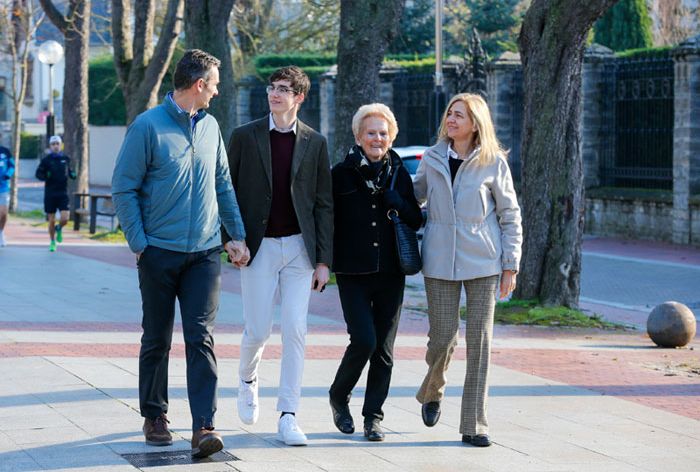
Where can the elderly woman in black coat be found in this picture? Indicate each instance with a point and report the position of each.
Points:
(365, 260)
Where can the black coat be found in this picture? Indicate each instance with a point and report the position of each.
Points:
(363, 239)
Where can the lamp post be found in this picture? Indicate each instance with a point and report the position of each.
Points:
(50, 52)
(437, 104)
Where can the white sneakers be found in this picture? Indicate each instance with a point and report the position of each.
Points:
(289, 432)
(248, 401)
(3, 243)
(287, 429)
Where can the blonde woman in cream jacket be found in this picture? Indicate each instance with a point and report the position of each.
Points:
(472, 239)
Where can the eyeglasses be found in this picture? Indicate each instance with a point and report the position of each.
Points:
(281, 89)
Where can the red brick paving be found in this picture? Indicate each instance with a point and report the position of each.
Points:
(631, 374)
(32, 232)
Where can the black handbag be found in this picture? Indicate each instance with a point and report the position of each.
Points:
(406, 240)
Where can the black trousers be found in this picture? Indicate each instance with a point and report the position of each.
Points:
(371, 307)
(194, 279)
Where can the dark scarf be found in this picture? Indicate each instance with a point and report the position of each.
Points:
(375, 174)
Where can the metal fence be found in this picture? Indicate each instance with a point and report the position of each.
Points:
(412, 95)
(638, 119)
(517, 125)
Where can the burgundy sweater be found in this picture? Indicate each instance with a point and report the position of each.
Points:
(283, 219)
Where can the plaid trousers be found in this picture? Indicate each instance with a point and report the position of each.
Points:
(443, 314)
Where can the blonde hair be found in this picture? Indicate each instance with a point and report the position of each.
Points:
(375, 109)
(485, 133)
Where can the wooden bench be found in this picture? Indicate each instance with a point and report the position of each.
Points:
(93, 209)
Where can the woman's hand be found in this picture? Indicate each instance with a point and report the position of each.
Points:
(392, 199)
(507, 283)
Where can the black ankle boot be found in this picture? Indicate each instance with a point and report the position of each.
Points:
(373, 432)
(342, 417)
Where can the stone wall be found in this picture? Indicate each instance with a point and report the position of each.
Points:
(637, 218)
(629, 218)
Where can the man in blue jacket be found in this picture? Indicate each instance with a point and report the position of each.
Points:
(172, 191)
(7, 170)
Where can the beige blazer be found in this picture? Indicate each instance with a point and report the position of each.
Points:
(474, 226)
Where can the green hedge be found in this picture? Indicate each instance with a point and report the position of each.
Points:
(414, 66)
(641, 53)
(31, 146)
(274, 61)
(104, 94)
(312, 71)
(316, 64)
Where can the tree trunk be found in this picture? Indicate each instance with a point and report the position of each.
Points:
(75, 95)
(19, 35)
(366, 30)
(16, 139)
(206, 28)
(141, 67)
(551, 43)
(75, 26)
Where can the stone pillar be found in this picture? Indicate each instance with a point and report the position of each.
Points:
(686, 135)
(504, 88)
(386, 86)
(244, 88)
(594, 112)
(327, 104)
(449, 80)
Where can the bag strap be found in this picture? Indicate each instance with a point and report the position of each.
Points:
(393, 178)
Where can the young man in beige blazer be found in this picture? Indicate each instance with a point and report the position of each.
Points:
(281, 173)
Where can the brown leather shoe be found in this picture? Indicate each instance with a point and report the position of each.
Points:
(156, 431)
(206, 442)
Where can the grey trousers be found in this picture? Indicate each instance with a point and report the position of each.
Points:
(443, 313)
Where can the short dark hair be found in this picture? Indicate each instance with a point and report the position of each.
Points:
(194, 65)
(299, 80)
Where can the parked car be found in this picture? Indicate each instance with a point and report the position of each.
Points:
(411, 156)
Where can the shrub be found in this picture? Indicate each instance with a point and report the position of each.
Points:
(626, 25)
(31, 146)
(274, 61)
(106, 101)
(643, 53)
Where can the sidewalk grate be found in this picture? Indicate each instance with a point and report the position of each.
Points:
(159, 459)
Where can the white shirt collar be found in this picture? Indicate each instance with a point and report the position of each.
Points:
(452, 153)
(291, 129)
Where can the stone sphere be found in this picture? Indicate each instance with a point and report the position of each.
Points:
(671, 324)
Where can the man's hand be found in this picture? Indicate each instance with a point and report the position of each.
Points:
(238, 253)
(507, 283)
(320, 278)
(138, 256)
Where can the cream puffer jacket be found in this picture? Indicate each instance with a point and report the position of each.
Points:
(474, 226)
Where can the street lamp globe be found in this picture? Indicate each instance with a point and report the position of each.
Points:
(50, 52)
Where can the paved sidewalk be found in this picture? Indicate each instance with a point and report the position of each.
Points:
(560, 400)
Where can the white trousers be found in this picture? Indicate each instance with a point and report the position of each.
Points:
(280, 264)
